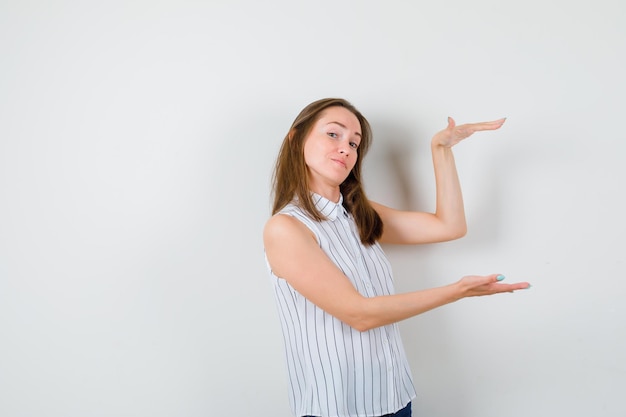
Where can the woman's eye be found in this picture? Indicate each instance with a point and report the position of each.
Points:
(332, 134)
(354, 145)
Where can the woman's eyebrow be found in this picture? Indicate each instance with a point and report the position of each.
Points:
(345, 127)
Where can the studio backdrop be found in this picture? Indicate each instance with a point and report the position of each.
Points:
(137, 141)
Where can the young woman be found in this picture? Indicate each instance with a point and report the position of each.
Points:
(333, 283)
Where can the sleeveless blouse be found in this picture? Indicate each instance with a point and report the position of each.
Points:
(333, 369)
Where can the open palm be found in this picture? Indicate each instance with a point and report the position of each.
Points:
(453, 134)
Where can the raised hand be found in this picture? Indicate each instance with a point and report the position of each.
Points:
(453, 134)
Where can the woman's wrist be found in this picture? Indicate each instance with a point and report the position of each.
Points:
(434, 144)
(457, 291)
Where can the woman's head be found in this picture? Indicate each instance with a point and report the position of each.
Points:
(305, 121)
(292, 174)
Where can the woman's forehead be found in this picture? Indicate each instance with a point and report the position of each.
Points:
(341, 116)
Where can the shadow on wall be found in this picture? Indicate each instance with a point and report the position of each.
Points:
(388, 175)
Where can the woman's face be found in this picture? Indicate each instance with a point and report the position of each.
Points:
(330, 149)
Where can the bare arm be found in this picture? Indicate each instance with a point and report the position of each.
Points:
(448, 220)
(294, 255)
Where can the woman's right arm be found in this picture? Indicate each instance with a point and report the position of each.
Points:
(294, 255)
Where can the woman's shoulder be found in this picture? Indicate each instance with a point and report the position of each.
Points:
(280, 221)
(284, 227)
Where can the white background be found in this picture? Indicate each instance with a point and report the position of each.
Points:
(137, 140)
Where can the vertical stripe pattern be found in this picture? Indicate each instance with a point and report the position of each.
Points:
(333, 369)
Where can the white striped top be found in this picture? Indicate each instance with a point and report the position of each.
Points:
(335, 370)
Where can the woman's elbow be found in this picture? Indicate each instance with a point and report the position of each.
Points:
(455, 233)
(460, 232)
(361, 318)
(362, 325)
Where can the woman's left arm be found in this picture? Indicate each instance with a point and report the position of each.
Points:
(448, 220)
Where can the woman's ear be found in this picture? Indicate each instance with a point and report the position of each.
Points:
(291, 133)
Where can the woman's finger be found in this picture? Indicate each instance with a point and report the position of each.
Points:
(493, 125)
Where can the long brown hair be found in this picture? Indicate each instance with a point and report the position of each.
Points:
(291, 172)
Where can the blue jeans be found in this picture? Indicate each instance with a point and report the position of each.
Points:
(405, 412)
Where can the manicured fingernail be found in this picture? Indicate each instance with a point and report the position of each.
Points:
(527, 288)
(500, 277)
